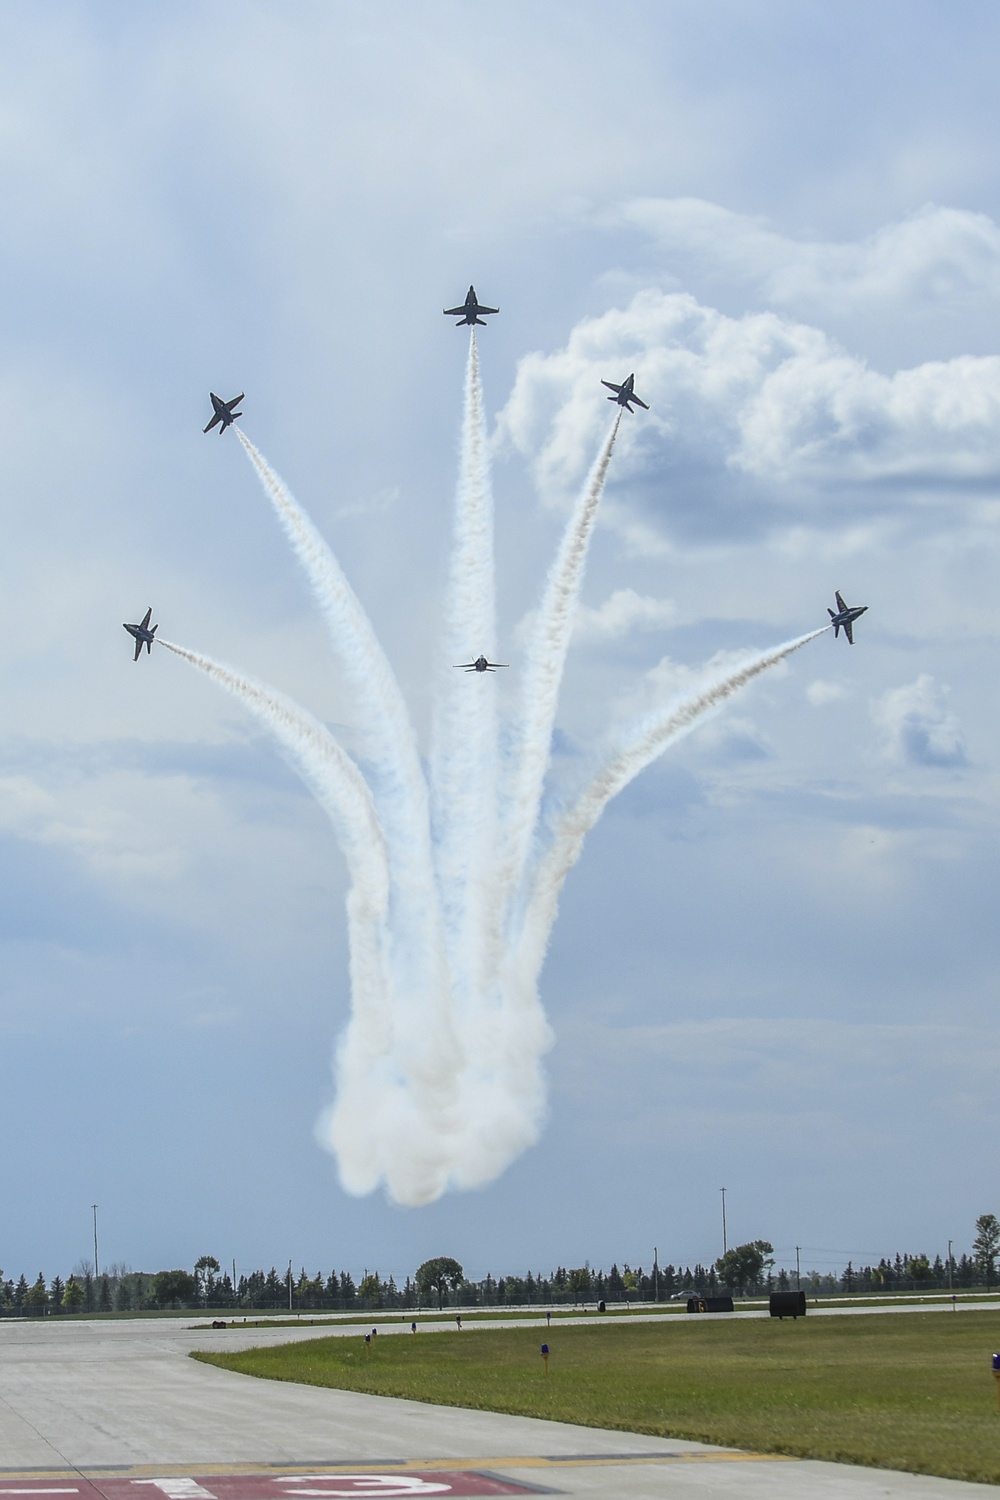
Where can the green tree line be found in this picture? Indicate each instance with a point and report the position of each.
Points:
(745, 1270)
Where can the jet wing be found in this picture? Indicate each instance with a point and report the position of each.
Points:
(612, 387)
(849, 631)
(468, 666)
(486, 309)
(638, 402)
(145, 618)
(211, 424)
(455, 312)
(840, 603)
(138, 649)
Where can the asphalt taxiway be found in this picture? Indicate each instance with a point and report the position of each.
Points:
(114, 1410)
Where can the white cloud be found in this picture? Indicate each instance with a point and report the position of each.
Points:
(760, 395)
(918, 727)
(821, 692)
(622, 613)
(937, 255)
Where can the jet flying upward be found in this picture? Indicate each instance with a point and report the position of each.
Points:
(469, 311)
(224, 412)
(845, 616)
(624, 393)
(143, 635)
(480, 665)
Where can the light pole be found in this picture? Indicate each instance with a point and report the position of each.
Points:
(798, 1276)
(951, 1287)
(97, 1269)
(725, 1246)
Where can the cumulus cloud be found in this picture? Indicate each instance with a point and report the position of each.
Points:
(917, 726)
(622, 613)
(938, 255)
(761, 395)
(821, 692)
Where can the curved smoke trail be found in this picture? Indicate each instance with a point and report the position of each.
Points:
(379, 1127)
(390, 742)
(635, 752)
(453, 897)
(428, 1055)
(343, 793)
(545, 661)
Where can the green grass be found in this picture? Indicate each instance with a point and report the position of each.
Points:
(898, 1392)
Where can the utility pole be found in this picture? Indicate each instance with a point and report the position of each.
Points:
(289, 1286)
(798, 1277)
(951, 1287)
(725, 1245)
(235, 1299)
(97, 1269)
(656, 1275)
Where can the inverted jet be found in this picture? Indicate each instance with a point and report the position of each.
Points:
(845, 616)
(625, 393)
(224, 412)
(480, 665)
(470, 311)
(143, 634)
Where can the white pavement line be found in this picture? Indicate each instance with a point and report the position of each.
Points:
(175, 1487)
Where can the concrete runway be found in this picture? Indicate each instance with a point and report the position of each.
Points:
(116, 1410)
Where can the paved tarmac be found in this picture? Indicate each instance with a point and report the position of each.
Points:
(117, 1410)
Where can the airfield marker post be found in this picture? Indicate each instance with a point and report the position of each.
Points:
(545, 1359)
(996, 1377)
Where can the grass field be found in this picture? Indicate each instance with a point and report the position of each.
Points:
(899, 1392)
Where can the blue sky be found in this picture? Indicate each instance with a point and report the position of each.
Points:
(775, 967)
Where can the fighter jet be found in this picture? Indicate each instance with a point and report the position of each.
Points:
(480, 665)
(143, 635)
(624, 393)
(224, 412)
(845, 616)
(469, 311)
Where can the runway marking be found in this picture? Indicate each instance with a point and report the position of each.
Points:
(340, 1483)
(279, 1473)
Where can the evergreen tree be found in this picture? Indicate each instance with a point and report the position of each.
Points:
(73, 1296)
(986, 1245)
(56, 1291)
(36, 1298)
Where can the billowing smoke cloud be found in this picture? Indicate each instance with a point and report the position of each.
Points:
(455, 876)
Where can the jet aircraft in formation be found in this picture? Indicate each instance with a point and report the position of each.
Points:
(143, 634)
(480, 665)
(625, 393)
(224, 412)
(470, 311)
(845, 616)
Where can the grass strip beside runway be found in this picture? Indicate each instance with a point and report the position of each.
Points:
(897, 1392)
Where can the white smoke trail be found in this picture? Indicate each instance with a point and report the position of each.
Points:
(439, 1079)
(390, 742)
(428, 1054)
(506, 1032)
(378, 1126)
(635, 752)
(463, 761)
(343, 793)
(545, 661)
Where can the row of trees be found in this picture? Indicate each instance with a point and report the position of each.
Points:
(743, 1270)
